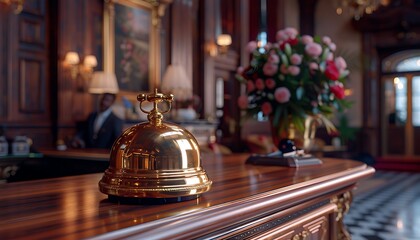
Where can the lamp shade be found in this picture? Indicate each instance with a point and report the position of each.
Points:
(90, 61)
(224, 40)
(103, 82)
(72, 58)
(176, 81)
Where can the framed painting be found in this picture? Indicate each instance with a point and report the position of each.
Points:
(131, 43)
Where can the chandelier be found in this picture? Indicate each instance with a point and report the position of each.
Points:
(359, 7)
(17, 5)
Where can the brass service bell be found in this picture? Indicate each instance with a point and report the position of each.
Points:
(155, 161)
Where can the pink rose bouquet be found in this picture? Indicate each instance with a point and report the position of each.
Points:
(294, 77)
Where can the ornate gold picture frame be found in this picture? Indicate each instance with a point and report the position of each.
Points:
(132, 43)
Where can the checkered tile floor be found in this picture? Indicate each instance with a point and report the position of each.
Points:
(388, 210)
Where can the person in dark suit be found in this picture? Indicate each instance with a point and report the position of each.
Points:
(101, 128)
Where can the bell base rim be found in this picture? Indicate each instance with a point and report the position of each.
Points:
(150, 201)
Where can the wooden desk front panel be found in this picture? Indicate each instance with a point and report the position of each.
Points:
(314, 219)
(73, 207)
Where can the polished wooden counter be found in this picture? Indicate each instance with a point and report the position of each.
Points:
(244, 200)
(81, 154)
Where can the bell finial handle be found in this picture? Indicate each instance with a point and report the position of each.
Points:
(155, 115)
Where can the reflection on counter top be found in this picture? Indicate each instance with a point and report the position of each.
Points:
(81, 154)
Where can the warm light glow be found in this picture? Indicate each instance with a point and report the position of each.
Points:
(170, 133)
(192, 181)
(348, 92)
(184, 145)
(16, 4)
(224, 40)
(398, 83)
(90, 61)
(103, 82)
(211, 49)
(72, 58)
(359, 7)
(369, 10)
(72, 61)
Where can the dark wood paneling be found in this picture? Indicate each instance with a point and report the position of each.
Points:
(275, 20)
(35, 7)
(394, 147)
(80, 30)
(32, 32)
(24, 73)
(254, 19)
(30, 80)
(307, 16)
(41, 136)
(182, 35)
(32, 86)
(417, 141)
(4, 23)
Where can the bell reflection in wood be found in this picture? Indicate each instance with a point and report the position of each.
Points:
(155, 161)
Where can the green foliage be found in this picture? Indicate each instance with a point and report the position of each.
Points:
(295, 77)
(346, 132)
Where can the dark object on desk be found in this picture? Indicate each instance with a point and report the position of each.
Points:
(365, 158)
(279, 159)
(287, 145)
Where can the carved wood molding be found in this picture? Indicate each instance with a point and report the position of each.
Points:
(343, 202)
(301, 236)
(280, 221)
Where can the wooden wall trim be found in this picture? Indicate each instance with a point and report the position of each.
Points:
(254, 19)
(4, 24)
(307, 9)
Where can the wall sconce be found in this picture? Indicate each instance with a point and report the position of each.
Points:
(16, 4)
(211, 49)
(72, 60)
(224, 41)
(89, 63)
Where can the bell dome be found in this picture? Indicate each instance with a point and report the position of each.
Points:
(155, 160)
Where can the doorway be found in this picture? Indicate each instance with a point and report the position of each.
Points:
(400, 104)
